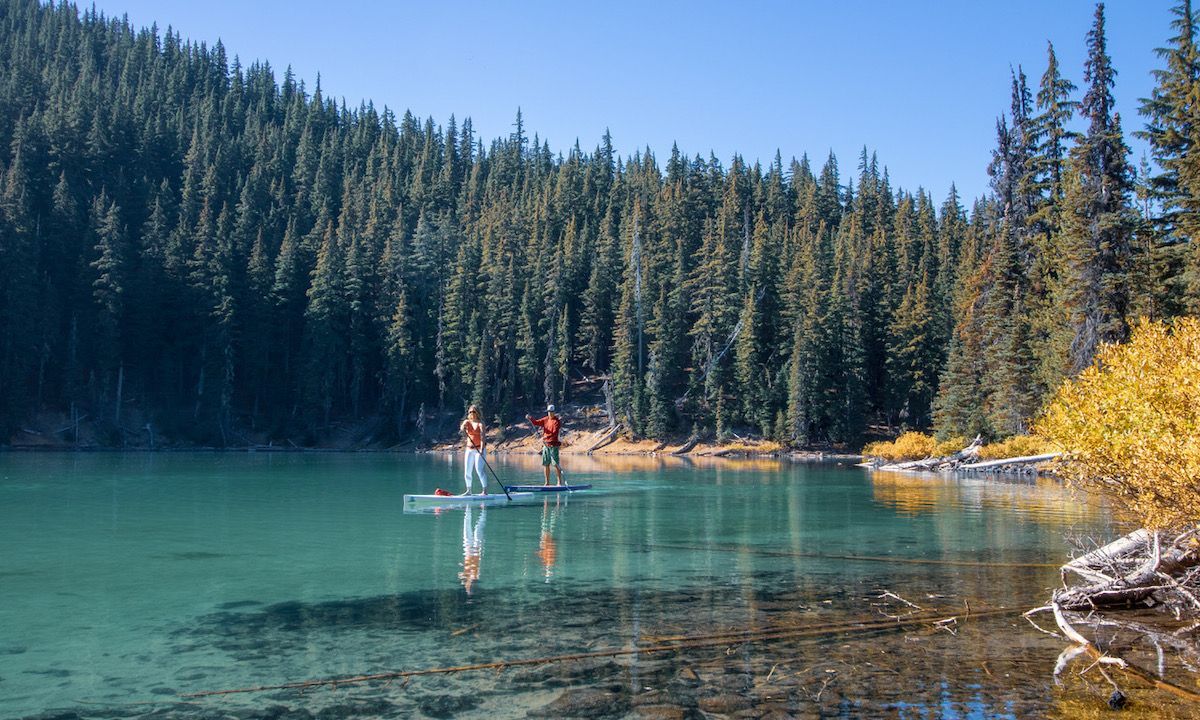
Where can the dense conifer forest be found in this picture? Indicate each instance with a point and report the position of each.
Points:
(217, 252)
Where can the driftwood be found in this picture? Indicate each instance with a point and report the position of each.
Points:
(967, 460)
(692, 442)
(1096, 565)
(946, 462)
(607, 438)
(1160, 579)
(1142, 569)
(1023, 460)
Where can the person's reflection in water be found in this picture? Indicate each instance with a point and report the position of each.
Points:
(547, 551)
(472, 547)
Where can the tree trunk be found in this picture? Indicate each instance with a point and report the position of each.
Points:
(120, 392)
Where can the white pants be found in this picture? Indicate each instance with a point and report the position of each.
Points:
(474, 462)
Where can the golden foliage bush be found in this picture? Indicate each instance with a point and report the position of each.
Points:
(1017, 446)
(909, 446)
(950, 445)
(1130, 424)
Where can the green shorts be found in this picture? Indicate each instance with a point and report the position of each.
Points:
(549, 455)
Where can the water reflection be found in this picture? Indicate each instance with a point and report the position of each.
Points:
(1040, 499)
(472, 543)
(639, 463)
(547, 549)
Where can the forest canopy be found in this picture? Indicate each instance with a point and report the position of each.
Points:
(201, 247)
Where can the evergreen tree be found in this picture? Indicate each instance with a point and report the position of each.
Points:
(252, 260)
(112, 270)
(1170, 129)
(1098, 219)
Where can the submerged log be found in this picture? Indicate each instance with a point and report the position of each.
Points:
(1103, 659)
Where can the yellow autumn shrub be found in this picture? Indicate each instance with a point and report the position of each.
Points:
(1130, 424)
(1017, 446)
(949, 446)
(909, 446)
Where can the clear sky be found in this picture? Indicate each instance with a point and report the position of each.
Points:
(919, 82)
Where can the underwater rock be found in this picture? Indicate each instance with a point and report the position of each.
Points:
(724, 704)
(686, 678)
(735, 682)
(54, 715)
(238, 604)
(276, 712)
(775, 713)
(769, 709)
(365, 708)
(446, 706)
(175, 711)
(673, 696)
(586, 703)
(592, 670)
(659, 712)
(50, 672)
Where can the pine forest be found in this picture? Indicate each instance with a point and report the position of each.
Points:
(215, 252)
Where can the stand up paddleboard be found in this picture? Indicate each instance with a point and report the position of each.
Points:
(453, 500)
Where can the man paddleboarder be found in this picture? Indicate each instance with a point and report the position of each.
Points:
(550, 426)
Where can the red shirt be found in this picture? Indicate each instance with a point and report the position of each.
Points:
(549, 426)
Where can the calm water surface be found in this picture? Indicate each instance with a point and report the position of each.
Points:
(127, 580)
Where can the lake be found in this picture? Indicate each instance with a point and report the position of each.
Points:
(760, 587)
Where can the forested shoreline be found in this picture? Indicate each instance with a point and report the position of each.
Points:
(191, 244)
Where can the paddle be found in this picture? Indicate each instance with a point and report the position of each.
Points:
(497, 477)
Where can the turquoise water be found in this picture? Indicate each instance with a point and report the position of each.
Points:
(129, 580)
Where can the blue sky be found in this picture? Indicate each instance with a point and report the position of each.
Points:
(919, 82)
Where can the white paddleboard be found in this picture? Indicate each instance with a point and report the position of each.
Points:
(450, 500)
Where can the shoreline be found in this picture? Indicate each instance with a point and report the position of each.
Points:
(584, 434)
(708, 452)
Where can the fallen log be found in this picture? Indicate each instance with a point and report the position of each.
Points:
(1136, 587)
(664, 645)
(607, 438)
(692, 442)
(1024, 460)
(1091, 565)
(943, 462)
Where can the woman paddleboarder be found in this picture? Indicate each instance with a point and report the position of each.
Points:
(476, 439)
